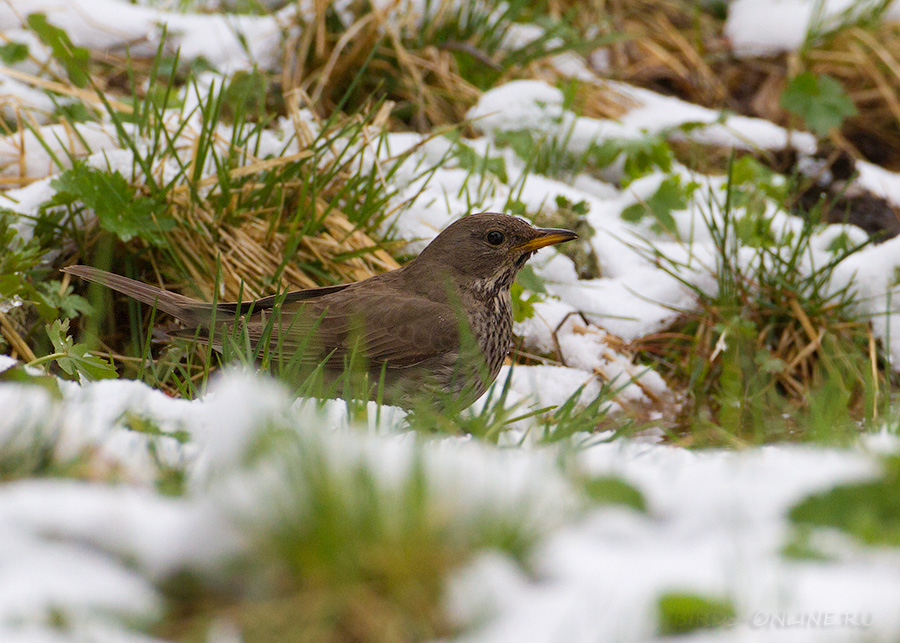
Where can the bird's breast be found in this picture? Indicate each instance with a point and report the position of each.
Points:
(491, 323)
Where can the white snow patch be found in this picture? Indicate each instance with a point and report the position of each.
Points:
(228, 41)
(768, 27)
(716, 527)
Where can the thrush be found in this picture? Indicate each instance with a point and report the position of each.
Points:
(444, 320)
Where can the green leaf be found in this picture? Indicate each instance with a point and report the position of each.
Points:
(21, 375)
(680, 613)
(642, 156)
(603, 154)
(16, 254)
(522, 142)
(13, 52)
(522, 306)
(747, 170)
(819, 100)
(74, 59)
(868, 510)
(754, 229)
(74, 359)
(118, 206)
(669, 197)
(580, 208)
(612, 490)
(526, 281)
(70, 304)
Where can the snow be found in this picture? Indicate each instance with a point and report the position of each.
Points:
(228, 41)
(879, 181)
(96, 549)
(768, 27)
(535, 105)
(24, 154)
(158, 535)
(550, 385)
(715, 527)
(18, 96)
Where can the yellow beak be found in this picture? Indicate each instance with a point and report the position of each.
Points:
(546, 237)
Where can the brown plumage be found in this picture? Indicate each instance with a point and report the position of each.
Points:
(410, 324)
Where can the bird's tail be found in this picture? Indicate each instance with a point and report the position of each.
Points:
(190, 311)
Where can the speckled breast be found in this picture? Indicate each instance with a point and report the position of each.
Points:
(492, 326)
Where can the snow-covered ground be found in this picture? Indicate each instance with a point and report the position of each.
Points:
(90, 553)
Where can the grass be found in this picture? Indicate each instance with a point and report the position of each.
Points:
(358, 533)
(775, 351)
(429, 69)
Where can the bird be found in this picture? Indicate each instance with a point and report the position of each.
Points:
(440, 324)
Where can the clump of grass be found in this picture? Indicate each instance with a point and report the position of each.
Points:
(430, 68)
(350, 546)
(291, 221)
(775, 351)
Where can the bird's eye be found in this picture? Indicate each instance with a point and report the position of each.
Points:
(495, 237)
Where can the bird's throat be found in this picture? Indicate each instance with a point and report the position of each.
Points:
(490, 288)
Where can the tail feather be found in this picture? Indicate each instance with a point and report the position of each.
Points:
(190, 311)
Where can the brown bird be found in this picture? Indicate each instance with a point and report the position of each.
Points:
(444, 320)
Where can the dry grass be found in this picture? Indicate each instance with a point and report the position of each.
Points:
(673, 47)
(281, 227)
(676, 48)
(424, 85)
(19, 348)
(251, 244)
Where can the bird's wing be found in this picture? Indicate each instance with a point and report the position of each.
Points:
(273, 301)
(396, 328)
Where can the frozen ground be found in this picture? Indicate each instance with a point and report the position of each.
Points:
(90, 554)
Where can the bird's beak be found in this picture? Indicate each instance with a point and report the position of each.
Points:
(546, 237)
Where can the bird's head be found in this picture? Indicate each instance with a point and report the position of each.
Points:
(486, 250)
